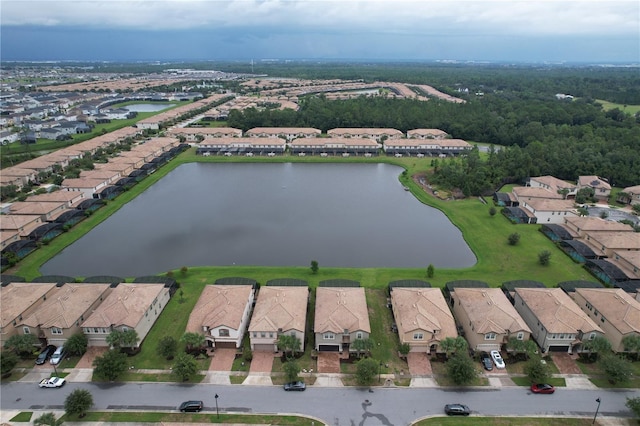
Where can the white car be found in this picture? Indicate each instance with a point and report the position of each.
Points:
(497, 359)
(52, 382)
(57, 356)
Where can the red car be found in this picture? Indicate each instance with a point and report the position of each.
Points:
(542, 388)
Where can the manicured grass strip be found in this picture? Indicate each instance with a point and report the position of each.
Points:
(604, 383)
(503, 421)
(121, 416)
(24, 416)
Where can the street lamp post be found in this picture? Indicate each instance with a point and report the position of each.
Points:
(217, 412)
(379, 371)
(597, 409)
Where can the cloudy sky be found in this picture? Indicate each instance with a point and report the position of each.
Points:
(499, 30)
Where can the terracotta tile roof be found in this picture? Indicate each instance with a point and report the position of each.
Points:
(616, 306)
(590, 223)
(615, 240)
(125, 305)
(280, 308)
(556, 311)
(535, 192)
(341, 308)
(593, 182)
(423, 309)
(547, 205)
(632, 189)
(219, 305)
(490, 311)
(66, 305)
(552, 183)
(15, 298)
(427, 132)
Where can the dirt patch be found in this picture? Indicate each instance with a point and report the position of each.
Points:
(422, 180)
(566, 363)
(328, 362)
(419, 364)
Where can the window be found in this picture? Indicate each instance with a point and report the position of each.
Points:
(263, 334)
(56, 330)
(490, 336)
(328, 336)
(359, 335)
(255, 334)
(224, 332)
(26, 330)
(95, 330)
(418, 336)
(520, 335)
(592, 336)
(125, 329)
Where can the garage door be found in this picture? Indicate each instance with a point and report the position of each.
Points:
(329, 348)
(228, 345)
(264, 347)
(558, 348)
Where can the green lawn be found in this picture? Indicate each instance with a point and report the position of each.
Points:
(194, 418)
(629, 109)
(504, 421)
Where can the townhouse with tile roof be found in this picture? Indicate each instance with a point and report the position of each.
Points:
(604, 244)
(601, 188)
(427, 134)
(487, 318)
(423, 318)
(62, 314)
(341, 317)
(557, 323)
(278, 310)
(630, 195)
(614, 310)
(194, 134)
(287, 133)
(127, 307)
(377, 134)
(334, 146)
(549, 210)
(552, 183)
(222, 315)
(20, 300)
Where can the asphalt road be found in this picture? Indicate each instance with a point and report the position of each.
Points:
(335, 406)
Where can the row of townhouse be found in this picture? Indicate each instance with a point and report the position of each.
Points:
(43, 217)
(224, 313)
(310, 141)
(53, 312)
(610, 250)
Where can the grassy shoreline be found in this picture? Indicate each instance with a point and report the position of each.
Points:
(486, 235)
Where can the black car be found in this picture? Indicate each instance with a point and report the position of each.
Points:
(191, 406)
(295, 386)
(486, 361)
(457, 410)
(45, 354)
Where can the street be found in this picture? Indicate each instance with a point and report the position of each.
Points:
(334, 406)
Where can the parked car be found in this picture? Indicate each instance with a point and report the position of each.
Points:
(486, 361)
(191, 406)
(58, 356)
(52, 382)
(295, 386)
(457, 410)
(45, 354)
(497, 358)
(542, 388)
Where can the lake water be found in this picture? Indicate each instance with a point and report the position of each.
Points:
(341, 215)
(148, 107)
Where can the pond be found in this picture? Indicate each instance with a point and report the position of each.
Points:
(341, 215)
(147, 107)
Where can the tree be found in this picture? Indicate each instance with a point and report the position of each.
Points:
(48, 419)
(8, 360)
(123, 339)
(22, 345)
(362, 346)
(291, 370)
(314, 267)
(461, 368)
(78, 402)
(404, 349)
(289, 344)
(492, 211)
(430, 271)
(537, 369)
(451, 345)
(521, 347)
(617, 369)
(633, 404)
(194, 341)
(110, 365)
(185, 366)
(184, 271)
(514, 239)
(596, 347)
(544, 257)
(366, 371)
(631, 344)
(76, 344)
(167, 347)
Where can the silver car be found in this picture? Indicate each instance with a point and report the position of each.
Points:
(57, 356)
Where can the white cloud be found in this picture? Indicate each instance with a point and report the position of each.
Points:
(543, 17)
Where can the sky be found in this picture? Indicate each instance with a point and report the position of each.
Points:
(594, 31)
